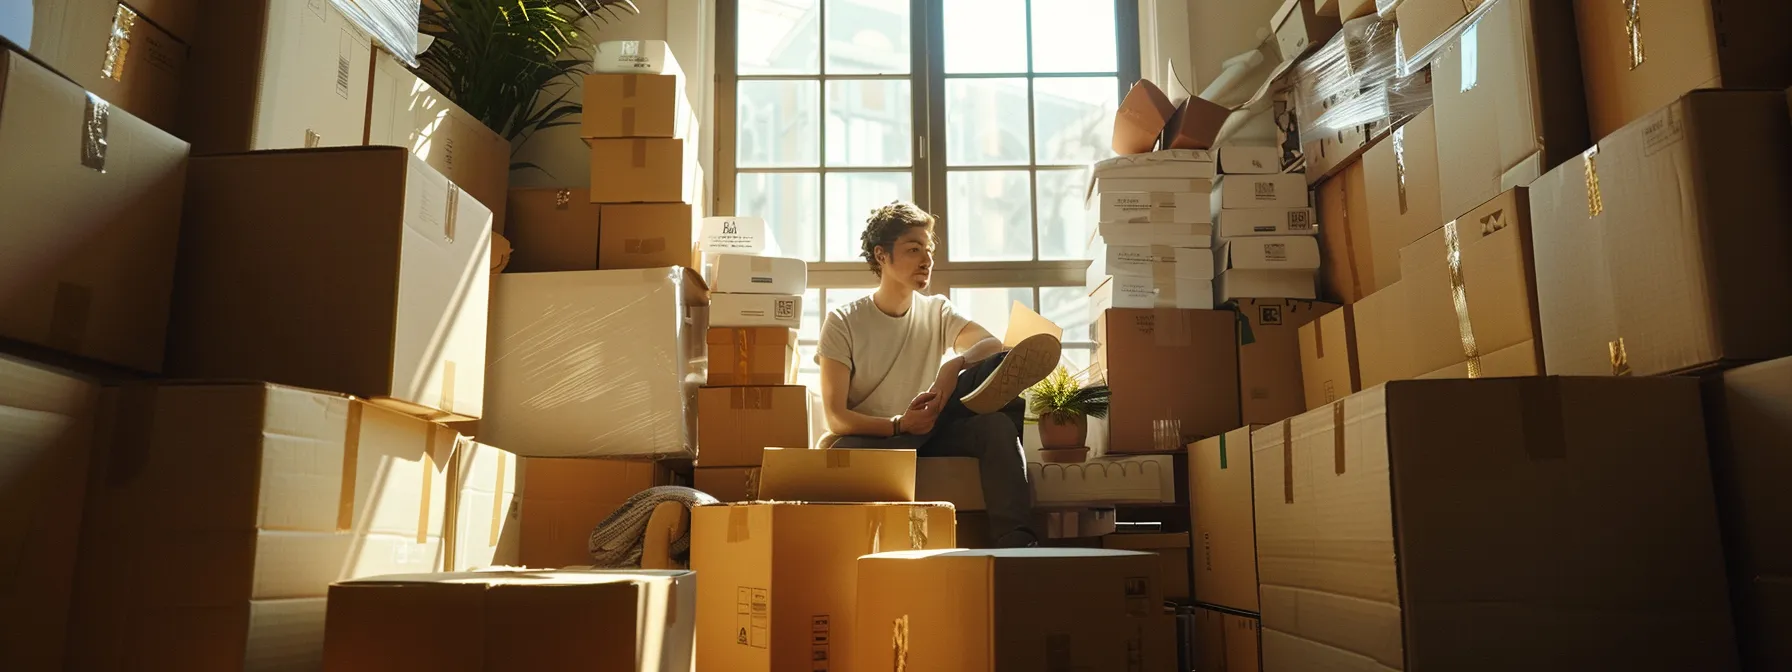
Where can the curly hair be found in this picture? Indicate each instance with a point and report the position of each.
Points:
(888, 223)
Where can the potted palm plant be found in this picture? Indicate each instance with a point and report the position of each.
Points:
(1062, 405)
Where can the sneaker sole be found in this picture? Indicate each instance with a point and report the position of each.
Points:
(1029, 362)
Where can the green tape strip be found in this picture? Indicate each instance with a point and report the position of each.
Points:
(1222, 451)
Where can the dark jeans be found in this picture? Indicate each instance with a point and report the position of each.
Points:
(993, 439)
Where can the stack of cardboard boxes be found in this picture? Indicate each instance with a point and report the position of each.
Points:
(751, 400)
(1152, 243)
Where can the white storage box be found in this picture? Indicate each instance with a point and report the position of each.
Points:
(1143, 207)
(755, 310)
(1143, 479)
(1250, 160)
(749, 274)
(1151, 261)
(640, 57)
(1229, 224)
(1236, 192)
(1173, 235)
(1135, 292)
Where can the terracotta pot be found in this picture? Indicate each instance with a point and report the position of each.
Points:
(1055, 434)
(1063, 455)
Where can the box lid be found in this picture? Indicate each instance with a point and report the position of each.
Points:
(837, 475)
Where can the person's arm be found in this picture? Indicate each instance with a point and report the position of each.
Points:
(974, 344)
(843, 421)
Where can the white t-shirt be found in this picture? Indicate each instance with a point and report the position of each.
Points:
(892, 359)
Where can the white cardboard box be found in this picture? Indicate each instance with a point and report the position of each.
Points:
(755, 310)
(1188, 164)
(1269, 253)
(1144, 479)
(734, 235)
(1144, 207)
(640, 57)
(1135, 292)
(1256, 283)
(750, 274)
(1250, 160)
(1169, 184)
(1150, 261)
(1229, 224)
(1236, 192)
(1174, 235)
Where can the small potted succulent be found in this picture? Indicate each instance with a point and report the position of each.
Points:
(1062, 405)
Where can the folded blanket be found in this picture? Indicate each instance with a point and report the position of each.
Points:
(616, 542)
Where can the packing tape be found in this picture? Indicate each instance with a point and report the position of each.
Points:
(351, 460)
(738, 529)
(750, 398)
(630, 85)
(94, 127)
(1459, 299)
(839, 459)
(743, 342)
(874, 530)
(640, 153)
(917, 527)
(1338, 437)
(1595, 200)
(562, 199)
(1540, 412)
(644, 245)
(1288, 461)
(498, 497)
(1633, 32)
(752, 478)
(118, 44)
(1620, 357)
(69, 314)
(899, 643)
(1222, 452)
(448, 368)
(313, 139)
(428, 462)
(451, 217)
(1400, 165)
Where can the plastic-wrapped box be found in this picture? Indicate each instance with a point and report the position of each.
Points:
(392, 22)
(596, 363)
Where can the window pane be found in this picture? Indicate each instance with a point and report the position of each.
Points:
(989, 216)
(986, 35)
(1077, 360)
(989, 306)
(1067, 307)
(789, 203)
(777, 124)
(778, 37)
(986, 122)
(1064, 222)
(1073, 36)
(869, 122)
(851, 198)
(840, 296)
(809, 328)
(1073, 119)
(868, 37)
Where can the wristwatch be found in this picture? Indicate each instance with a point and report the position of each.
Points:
(896, 425)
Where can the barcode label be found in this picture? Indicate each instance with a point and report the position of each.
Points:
(342, 76)
(1275, 251)
(1300, 220)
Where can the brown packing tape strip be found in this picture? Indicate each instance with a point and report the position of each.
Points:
(1540, 410)
(918, 519)
(1595, 199)
(351, 460)
(1338, 437)
(1620, 357)
(630, 86)
(118, 44)
(640, 153)
(738, 528)
(1400, 165)
(874, 530)
(750, 398)
(448, 368)
(1633, 32)
(69, 314)
(628, 120)
(752, 478)
(899, 643)
(1288, 461)
(95, 126)
(428, 463)
(838, 459)
(1471, 352)
(498, 498)
(451, 218)
(743, 343)
(1356, 275)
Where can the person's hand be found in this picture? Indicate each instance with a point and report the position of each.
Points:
(922, 400)
(918, 421)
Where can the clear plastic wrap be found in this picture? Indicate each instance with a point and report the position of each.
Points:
(393, 23)
(1358, 79)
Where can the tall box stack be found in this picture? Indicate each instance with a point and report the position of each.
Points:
(1151, 247)
(639, 126)
(751, 401)
(1267, 248)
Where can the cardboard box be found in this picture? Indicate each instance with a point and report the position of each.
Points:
(1348, 270)
(276, 74)
(405, 112)
(965, 611)
(802, 559)
(532, 620)
(1172, 555)
(86, 255)
(564, 498)
(1299, 28)
(552, 230)
(1264, 222)
(1237, 192)
(1184, 164)
(596, 363)
(756, 356)
(728, 484)
(837, 475)
(1137, 207)
(1250, 159)
(958, 480)
(1353, 9)
(46, 438)
(642, 170)
(1268, 267)
(301, 489)
(736, 424)
(1328, 362)
(752, 274)
(1401, 190)
(1524, 359)
(1470, 290)
(1123, 291)
(1422, 22)
(1172, 376)
(379, 290)
(1198, 236)
(180, 17)
(1269, 356)
(1228, 642)
(756, 310)
(109, 49)
(1750, 416)
(1703, 249)
(1327, 154)
(647, 57)
(1636, 66)
(1103, 481)
(1159, 262)
(484, 525)
(1141, 118)
(646, 235)
(1195, 124)
(634, 106)
(1175, 185)
(1405, 470)
(1225, 541)
(1382, 337)
(1515, 110)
